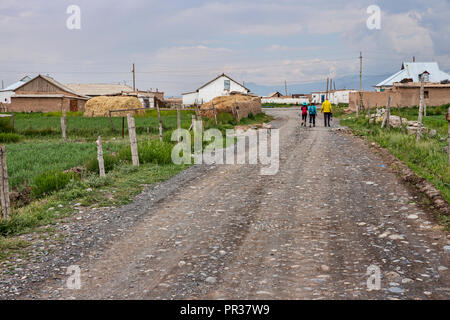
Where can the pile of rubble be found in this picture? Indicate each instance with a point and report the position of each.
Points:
(396, 121)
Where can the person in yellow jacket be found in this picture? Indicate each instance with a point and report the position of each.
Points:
(327, 110)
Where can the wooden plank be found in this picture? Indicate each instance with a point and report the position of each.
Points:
(101, 163)
(64, 125)
(179, 123)
(4, 185)
(133, 140)
(421, 103)
(160, 123)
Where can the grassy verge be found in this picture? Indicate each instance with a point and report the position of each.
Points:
(426, 158)
(118, 188)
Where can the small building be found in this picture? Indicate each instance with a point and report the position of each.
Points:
(274, 95)
(44, 94)
(288, 100)
(93, 90)
(8, 92)
(404, 95)
(413, 72)
(334, 96)
(222, 85)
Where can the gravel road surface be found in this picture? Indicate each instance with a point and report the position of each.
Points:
(226, 232)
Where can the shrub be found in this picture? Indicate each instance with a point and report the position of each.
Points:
(48, 182)
(109, 161)
(5, 125)
(9, 137)
(155, 151)
(226, 118)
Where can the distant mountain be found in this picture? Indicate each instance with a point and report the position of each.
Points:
(348, 82)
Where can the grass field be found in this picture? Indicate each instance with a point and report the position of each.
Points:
(40, 148)
(28, 159)
(426, 158)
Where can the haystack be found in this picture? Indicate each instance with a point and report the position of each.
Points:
(100, 106)
(244, 104)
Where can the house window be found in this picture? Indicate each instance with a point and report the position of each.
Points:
(425, 76)
(426, 94)
(227, 85)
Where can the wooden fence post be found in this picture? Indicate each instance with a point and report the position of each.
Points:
(133, 141)
(401, 120)
(63, 125)
(215, 114)
(160, 123)
(388, 110)
(179, 123)
(193, 123)
(387, 114)
(12, 119)
(101, 163)
(123, 127)
(4, 185)
(368, 111)
(420, 119)
(111, 121)
(448, 119)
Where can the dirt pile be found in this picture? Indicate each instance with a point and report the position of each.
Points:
(100, 106)
(244, 105)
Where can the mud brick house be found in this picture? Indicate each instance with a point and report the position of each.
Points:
(93, 90)
(404, 87)
(45, 94)
(404, 95)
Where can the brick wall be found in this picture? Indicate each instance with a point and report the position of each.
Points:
(404, 97)
(42, 104)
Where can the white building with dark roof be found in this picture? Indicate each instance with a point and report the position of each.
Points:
(222, 85)
(413, 72)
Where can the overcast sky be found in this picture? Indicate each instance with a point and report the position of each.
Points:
(179, 45)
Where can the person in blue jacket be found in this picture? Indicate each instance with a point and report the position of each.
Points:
(312, 110)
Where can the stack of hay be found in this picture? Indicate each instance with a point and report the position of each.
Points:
(100, 106)
(244, 104)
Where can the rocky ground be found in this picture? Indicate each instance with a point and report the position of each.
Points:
(226, 232)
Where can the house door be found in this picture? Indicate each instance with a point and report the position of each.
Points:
(73, 105)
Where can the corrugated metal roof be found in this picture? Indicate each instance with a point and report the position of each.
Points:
(17, 84)
(412, 70)
(99, 89)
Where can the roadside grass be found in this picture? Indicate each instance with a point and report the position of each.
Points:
(118, 188)
(426, 158)
(11, 246)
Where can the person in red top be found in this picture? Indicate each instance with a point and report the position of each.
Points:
(304, 109)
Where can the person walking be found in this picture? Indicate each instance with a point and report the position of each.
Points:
(304, 110)
(327, 110)
(312, 110)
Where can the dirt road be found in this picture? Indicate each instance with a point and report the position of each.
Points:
(309, 232)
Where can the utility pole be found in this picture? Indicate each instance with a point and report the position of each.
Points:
(3, 87)
(134, 78)
(328, 80)
(285, 87)
(360, 81)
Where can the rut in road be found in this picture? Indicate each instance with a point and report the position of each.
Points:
(309, 232)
